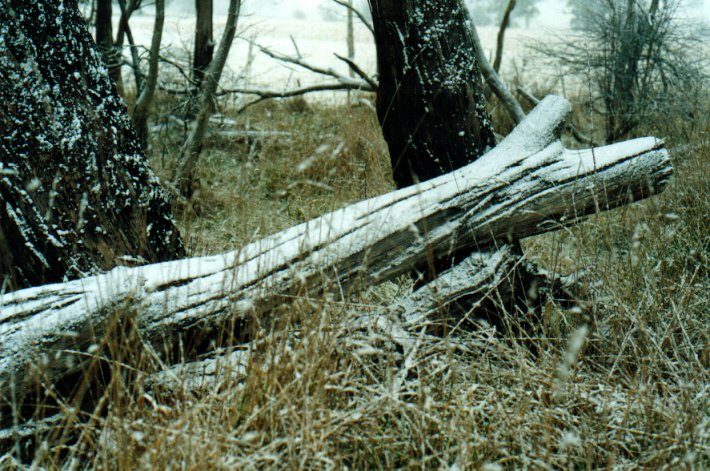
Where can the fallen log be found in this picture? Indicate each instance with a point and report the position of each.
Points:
(484, 276)
(527, 185)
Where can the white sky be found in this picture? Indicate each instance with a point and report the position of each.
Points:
(550, 9)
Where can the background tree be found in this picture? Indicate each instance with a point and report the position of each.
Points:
(191, 149)
(490, 12)
(104, 39)
(204, 41)
(430, 101)
(147, 92)
(640, 58)
(77, 194)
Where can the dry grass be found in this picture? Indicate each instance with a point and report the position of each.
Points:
(622, 380)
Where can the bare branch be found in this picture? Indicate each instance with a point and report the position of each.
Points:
(501, 35)
(356, 68)
(313, 68)
(124, 26)
(507, 99)
(357, 13)
(268, 94)
(140, 112)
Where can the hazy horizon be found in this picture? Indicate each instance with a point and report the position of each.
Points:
(553, 13)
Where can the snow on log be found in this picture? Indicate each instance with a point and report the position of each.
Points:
(484, 276)
(526, 185)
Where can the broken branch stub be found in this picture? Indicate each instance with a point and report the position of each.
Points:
(527, 185)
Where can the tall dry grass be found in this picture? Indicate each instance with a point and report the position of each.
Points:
(620, 381)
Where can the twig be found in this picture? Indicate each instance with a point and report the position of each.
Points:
(357, 13)
(180, 68)
(313, 68)
(356, 68)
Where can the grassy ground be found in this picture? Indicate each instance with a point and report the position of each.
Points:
(621, 380)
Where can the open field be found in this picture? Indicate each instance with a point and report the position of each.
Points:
(317, 42)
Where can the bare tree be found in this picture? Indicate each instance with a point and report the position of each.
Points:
(640, 59)
(204, 42)
(128, 7)
(430, 101)
(77, 194)
(142, 107)
(192, 147)
(501, 34)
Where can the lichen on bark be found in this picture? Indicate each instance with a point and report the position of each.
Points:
(76, 192)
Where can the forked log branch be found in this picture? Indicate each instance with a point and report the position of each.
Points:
(528, 184)
(485, 276)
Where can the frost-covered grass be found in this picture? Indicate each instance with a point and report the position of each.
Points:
(620, 381)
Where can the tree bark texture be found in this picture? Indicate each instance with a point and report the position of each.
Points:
(486, 277)
(76, 192)
(527, 185)
(430, 101)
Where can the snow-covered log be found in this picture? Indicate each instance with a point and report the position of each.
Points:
(485, 276)
(527, 185)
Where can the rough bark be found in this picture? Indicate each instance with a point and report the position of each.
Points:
(527, 185)
(429, 101)
(76, 193)
(443, 304)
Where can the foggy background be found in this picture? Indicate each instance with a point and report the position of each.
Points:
(553, 13)
(316, 30)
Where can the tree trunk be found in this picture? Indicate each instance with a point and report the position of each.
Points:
(145, 96)
(527, 185)
(204, 42)
(104, 39)
(77, 195)
(351, 36)
(191, 149)
(500, 40)
(430, 102)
